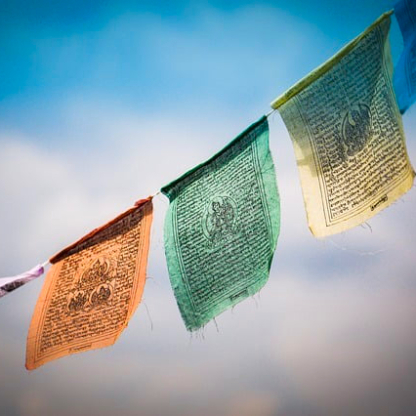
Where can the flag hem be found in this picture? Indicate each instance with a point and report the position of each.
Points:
(326, 66)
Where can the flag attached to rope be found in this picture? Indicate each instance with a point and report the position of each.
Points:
(221, 227)
(347, 134)
(92, 289)
(8, 284)
(405, 71)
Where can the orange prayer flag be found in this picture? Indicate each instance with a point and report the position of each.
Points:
(92, 289)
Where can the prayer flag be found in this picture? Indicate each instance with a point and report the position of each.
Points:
(92, 288)
(221, 227)
(405, 71)
(8, 284)
(347, 134)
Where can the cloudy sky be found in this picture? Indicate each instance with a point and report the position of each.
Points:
(102, 103)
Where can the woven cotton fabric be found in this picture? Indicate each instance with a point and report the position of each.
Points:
(222, 226)
(92, 289)
(348, 135)
(405, 71)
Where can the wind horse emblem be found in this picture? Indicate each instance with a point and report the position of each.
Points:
(356, 129)
(94, 288)
(219, 220)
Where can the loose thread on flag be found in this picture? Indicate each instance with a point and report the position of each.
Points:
(355, 251)
(223, 210)
(348, 135)
(148, 315)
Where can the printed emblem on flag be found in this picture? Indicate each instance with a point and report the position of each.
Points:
(92, 289)
(347, 134)
(221, 227)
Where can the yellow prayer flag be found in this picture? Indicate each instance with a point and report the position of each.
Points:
(347, 134)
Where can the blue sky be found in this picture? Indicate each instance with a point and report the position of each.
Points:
(102, 103)
(141, 54)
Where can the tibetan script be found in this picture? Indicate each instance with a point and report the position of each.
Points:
(222, 226)
(92, 289)
(347, 134)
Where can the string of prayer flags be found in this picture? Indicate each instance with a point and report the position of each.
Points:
(221, 227)
(347, 134)
(8, 284)
(92, 289)
(405, 71)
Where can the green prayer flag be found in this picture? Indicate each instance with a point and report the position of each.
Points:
(222, 226)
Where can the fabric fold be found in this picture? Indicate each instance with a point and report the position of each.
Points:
(9, 284)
